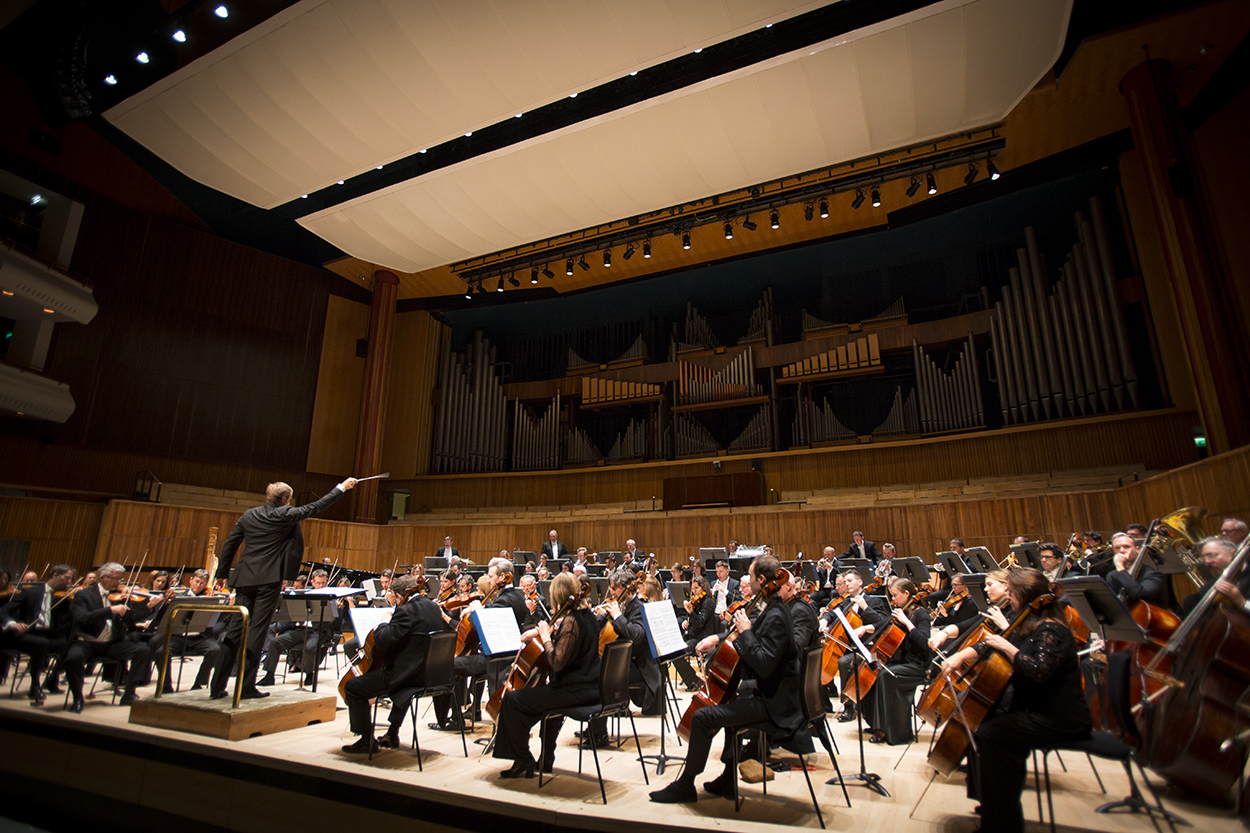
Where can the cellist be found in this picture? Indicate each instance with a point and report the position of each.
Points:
(872, 615)
(1047, 707)
(624, 611)
(572, 651)
(888, 704)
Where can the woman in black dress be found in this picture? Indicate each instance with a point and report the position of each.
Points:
(1046, 707)
(888, 704)
(572, 650)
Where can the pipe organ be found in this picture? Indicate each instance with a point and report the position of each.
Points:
(471, 432)
(761, 318)
(902, 418)
(862, 353)
(817, 424)
(758, 435)
(579, 448)
(1066, 352)
(697, 384)
(691, 439)
(631, 444)
(536, 439)
(696, 336)
(598, 391)
(948, 401)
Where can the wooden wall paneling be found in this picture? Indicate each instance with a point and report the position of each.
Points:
(340, 384)
(410, 410)
(58, 531)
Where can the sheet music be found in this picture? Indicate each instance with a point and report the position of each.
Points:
(659, 619)
(365, 619)
(497, 629)
(859, 646)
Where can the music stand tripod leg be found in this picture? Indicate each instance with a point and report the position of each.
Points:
(662, 759)
(871, 780)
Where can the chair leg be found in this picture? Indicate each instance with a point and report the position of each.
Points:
(1098, 777)
(416, 744)
(373, 721)
(542, 748)
(763, 742)
(594, 751)
(1050, 804)
(634, 728)
(1060, 759)
(812, 792)
(1171, 818)
(736, 748)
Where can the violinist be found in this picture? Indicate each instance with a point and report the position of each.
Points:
(1216, 554)
(90, 579)
(196, 645)
(953, 633)
(1047, 707)
(769, 693)
(102, 618)
(888, 704)
(34, 624)
(624, 611)
(954, 611)
(872, 613)
(533, 602)
(806, 629)
(1148, 585)
(571, 647)
(403, 643)
(500, 593)
(385, 598)
(700, 623)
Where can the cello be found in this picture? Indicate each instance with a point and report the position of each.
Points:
(531, 666)
(885, 646)
(986, 680)
(369, 654)
(724, 671)
(466, 634)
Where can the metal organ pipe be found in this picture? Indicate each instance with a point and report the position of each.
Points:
(1103, 244)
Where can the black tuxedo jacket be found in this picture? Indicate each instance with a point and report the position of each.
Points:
(26, 605)
(733, 592)
(441, 553)
(268, 532)
(405, 640)
(771, 657)
(870, 552)
(90, 615)
(557, 551)
(629, 625)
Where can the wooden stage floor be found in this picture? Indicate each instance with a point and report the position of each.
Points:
(301, 780)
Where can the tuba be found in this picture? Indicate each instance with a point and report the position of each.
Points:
(1180, 532)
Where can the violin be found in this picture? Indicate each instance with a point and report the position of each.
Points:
(950, 603)
(460, 600)
(695, 600)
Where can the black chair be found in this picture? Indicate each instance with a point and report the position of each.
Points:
(613, 700)
(813, 702)
(440, 678)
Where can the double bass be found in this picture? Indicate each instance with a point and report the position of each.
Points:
(724, 671)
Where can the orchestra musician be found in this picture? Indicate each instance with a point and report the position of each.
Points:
(271, 533)
(700, 622)
(1047, 707)
(872, 614)
(770, 660)
(888, 704)
(198, 645)
(1216, 553)
(403, 643)
(861, 548)
(554, 548)
(726, 589)
(624, 610)
(956, 609)
(633, 557)
(1150, 585)
(802, 613)
(533, 603)
(311, 639)
(996, 591)
(101, 627)
(1234, 529)
(885, 567)
(447, 550)
(35, 624)
(571, 646)
(1052, 558)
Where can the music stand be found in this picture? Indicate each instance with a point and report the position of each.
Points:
(953, 563)
(975, 582)
(678, 592)
(522, 556)
(710, 555)
(191, 621)
(597, 570)
(665, 640)
(1029, 554)
(860, 565)
(871, 780)
(912, 569)
(1102, 609)
(1167, 561)
(738, 567)
(807, 571)
(598, 591)
(323, 598)
(980, 559)
(435, 562)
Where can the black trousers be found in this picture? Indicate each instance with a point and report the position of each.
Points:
(360, 690)
(192, 645)
(997, 769)
(707, 721)
(80, 653)
(32, 643)
(888, 704)
(474, 665)
(522, 709)
(302, 643)
(262, 602)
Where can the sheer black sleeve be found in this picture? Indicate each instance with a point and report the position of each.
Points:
(1044, 652)
(563, 644)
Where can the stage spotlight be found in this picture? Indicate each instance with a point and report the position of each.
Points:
(685, 240)
(876, 198)
(534, 275)
(512, 280)
(859, 199)
(568, 266)
(646, 249)
(774, 219)
(111, 80)
(548, 274)
(500, 287)
(809, 211)
(971, 175)
(749, 224)
(581, 261)
(729, 231)
(629, 251)
(180, 36)
(991, 170)
(222, 12)
(607, 258)
(931, 182)
(142, 57)
(468, 292)
(914, 187)
(824, 208)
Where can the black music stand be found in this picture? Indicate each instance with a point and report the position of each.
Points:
(860, 565)
(191, 621)
(678, 592)
(524, 557)
(980, 559)
(807, 571)
(871, 780)
(1029, 554)
(710, 555)
(662, 628)
(598, 591)
(975, 583)
(1101, 609)
(738, 566)
(912, 569)
(954, 564)
(435, 563)
(323, 598)
(597, 570)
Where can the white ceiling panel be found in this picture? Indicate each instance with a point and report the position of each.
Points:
(328, 89)
(860, 94)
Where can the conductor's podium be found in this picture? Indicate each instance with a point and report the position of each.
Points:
(193, 711)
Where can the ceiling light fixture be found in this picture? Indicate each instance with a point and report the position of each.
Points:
(859, 199)
(646, 249)
(914, 187)
(534, 275)
(48, 311)
(581, 261)
(111, 80)
(876, 198)
(142, 57)
(629, 251)
(35, 200)
(547, 273)
(749, 224)
(222, 12)
(774, 219)
(729, 231)
(468, 292)
(512, 280)
(180, 36)
(824, 208)
(971, 175)
(500, 287)
(685, 240)
(568, 266)
(7, 292)
(931, 182)
(991, 170)
(607, 258)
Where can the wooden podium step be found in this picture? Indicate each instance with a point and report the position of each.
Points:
(193, 711)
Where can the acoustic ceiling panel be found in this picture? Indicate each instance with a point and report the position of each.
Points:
(863, 93)
(330, 88)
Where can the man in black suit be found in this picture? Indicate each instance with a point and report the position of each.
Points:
(1149, 585)
(101, 629)
(310, 641)
(873, 612)
(552, 547)
(1216, 553)
(447, 550)
(860, 548)
(771, 661)
(35, 624)
(195, 644)
(270, 533)
(398, 663)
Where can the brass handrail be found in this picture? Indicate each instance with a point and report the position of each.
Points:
(208, 608)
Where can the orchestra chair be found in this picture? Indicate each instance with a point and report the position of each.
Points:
(812, 700)
(613, 700)
(440, 678)
(96, 666)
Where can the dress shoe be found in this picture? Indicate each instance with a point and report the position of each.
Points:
(76, 706)
(848, 714)
(444, 727)
(549, 763)
(520, 769)
(877, 737)
(267, 680)
(722, 786)
(197, 686)
(388, 741)
(217, 695)
(127, 698)
(309, 679)
(37, 696)
(677, 792)
(253, 694)
(603, 743)
(364, 746)
(51, 687)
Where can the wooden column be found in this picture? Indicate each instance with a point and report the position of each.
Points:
(373, 398)
(1215, 342)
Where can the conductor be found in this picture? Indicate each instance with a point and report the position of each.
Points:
(268, 532)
